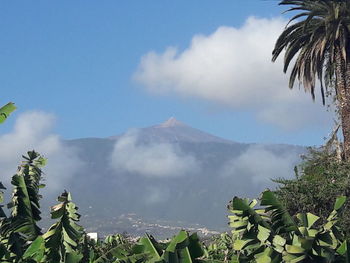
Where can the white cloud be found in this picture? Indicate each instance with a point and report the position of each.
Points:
(156, 195)
(32, 131)
(261, 165)
(233, 67)
(151, 160)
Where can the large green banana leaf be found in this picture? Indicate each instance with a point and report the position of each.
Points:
(62, 238)
(281, 220)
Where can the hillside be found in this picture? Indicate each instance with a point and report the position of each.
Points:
(168, 176)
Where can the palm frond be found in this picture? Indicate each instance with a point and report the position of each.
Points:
(313, 36)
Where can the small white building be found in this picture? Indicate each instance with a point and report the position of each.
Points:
(93, 236)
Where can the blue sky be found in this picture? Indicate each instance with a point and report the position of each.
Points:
(90, 64)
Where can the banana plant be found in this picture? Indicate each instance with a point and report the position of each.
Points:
(250, 231)
(220, 249)
(25, 199)
(61, 242)
(114, 247)
(270, 234)
(182, 248)
(21, 239)
(62, 238)
(20, 228)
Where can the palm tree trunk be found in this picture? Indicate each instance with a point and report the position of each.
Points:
(343, 97)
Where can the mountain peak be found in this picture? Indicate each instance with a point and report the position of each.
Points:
(172, 131)
(171, 122)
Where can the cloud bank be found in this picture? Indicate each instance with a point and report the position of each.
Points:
(261, 165)
(152, 159)
(155, 195)
(33, 131)
(232, 67)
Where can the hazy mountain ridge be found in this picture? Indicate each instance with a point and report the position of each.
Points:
(172, 131)
(152, 181)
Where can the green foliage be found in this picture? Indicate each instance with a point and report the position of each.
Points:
(25, 199)
(21, 239)
(62, 238)
(270, 234)
(114, 247)
(315, 40)
(36, 251)
(182, 248)
(322, 178)
(6, 110)
(220, 248)
(61, 243)
(21, 227)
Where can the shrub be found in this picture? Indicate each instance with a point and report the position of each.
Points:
(322, 178)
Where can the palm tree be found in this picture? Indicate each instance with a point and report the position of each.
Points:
(318, 37)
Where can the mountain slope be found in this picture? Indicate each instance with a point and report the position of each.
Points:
(172, 174)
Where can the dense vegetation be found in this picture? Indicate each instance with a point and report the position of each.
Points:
(318, 181)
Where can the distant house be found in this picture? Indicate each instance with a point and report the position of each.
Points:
(93, 236)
